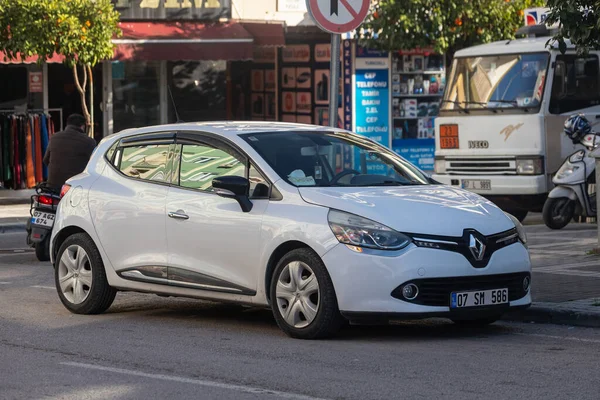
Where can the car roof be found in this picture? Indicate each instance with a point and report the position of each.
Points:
(227, 129)
(516, 46)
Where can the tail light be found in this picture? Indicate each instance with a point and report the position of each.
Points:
(47, 200)
(64, 190)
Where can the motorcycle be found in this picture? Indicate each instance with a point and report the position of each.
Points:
(573, 194)
(39, 226)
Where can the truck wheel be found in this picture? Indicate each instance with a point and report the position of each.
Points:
(558, 212)
(42, 249)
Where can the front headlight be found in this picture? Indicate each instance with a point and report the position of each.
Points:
(519, 227)
(566, 170)
(440, 165)
(530, 166)
(353, 230)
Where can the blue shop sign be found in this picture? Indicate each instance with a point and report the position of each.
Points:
(419, 152)
(372, 113)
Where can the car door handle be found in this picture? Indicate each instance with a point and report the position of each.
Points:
(178, 215)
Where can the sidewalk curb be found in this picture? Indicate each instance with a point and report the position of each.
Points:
(545, 313)
(14, 201)
(12, 227)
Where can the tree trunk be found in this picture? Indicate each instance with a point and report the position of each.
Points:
(81, 89)
(91, 80)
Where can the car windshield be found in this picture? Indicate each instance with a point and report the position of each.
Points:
(496, 82)
(327, 159)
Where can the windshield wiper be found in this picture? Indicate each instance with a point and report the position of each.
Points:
(458, 105)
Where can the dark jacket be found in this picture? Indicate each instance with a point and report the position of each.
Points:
(67, 155)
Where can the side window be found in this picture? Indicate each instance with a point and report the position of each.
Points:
(202, 163)
(111, 152)
(147, 162)
(576, 84)
(259, 186)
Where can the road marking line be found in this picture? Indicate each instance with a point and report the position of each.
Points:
(44, 287)
(574, 339)
(5, 283)
(201, 382)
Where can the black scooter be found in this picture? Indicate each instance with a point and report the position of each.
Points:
(43, 213)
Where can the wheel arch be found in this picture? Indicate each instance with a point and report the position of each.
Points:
(63, 235)
(277, 254)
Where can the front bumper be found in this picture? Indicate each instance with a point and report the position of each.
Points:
(366, 283)
(501, 184)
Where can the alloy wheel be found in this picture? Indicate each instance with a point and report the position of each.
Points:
(75, 274)
(297, 294)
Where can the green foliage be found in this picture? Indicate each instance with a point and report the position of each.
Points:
(444, 25)
(579, 22)
(80, 30)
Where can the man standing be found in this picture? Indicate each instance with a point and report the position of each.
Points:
(68, 152)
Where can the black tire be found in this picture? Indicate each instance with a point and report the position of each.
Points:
(101, 295)
(328, 319)
(42, 250)
(518, 214)
(558, 212)
(477, 322)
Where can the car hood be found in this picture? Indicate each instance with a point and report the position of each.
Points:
(431, 209)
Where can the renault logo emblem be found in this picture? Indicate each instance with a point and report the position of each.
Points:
(477, 247)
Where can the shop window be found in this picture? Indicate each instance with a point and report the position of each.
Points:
(14, 84)
(576, 84)
(200, 164)
(136, 94)
(199, 90)
(145, 162)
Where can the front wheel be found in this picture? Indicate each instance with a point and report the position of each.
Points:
(42, 249)
(558, 212)
(303, 299)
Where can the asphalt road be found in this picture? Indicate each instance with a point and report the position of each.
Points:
(151, 347)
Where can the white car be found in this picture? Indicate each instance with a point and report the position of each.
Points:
(319, 224)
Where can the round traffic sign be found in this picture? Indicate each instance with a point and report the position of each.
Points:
(338, 16)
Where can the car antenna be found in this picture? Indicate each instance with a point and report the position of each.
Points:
(174, 105)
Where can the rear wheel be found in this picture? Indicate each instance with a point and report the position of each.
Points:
(42, 249)
(80, 277)
(558, 212)
(303, 299)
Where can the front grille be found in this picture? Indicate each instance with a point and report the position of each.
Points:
(481, 166)
(436, 291)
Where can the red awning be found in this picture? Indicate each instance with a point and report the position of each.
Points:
(266, 34)
(183, 41)
(30, 60)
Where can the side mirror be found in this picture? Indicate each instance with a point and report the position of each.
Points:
(234, 187)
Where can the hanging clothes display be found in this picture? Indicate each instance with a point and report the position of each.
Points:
(23, 142)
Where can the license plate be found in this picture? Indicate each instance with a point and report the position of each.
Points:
(43, 219)
(479, 298)
(477, 184)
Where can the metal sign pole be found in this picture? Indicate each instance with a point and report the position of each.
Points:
(334, 75)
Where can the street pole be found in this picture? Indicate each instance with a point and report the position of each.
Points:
(334, 75)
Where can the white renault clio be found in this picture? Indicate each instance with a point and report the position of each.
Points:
(319, 224)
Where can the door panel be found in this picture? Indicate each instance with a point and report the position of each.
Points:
(217, 240)
(128, 207)
(129, 216)
(212, 243)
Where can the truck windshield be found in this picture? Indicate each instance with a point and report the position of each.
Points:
(496, 82)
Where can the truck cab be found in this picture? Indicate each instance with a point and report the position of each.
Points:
(500, 129)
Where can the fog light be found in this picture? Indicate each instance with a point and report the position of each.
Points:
(410, 291)
(526, 283)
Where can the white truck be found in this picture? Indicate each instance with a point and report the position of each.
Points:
(500, 127)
